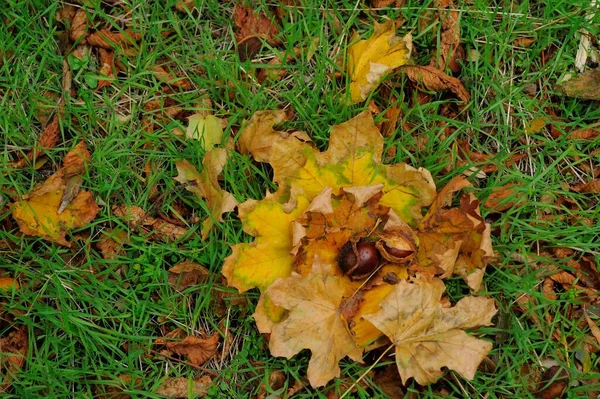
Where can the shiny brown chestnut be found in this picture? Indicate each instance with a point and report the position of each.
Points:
(358, 260)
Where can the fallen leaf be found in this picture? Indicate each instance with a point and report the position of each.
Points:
(186, 274)
(79, 25)
(585, 85)
(369, 60)
(108, 67)
(524, 42)
(251, 27)
(553, 383)
(206, 186)
(158, 229)
(445, 56)
(198, 350)
(536, 125)
(14, 349)
(314, 322)
(505, 197)
(435, 80)
(428, 336)
(108, 40)
(205, 128)
(48, 139)
(593, 186)
(183, 387)
(37, 214)
(386, 3)
(454, 240)
(161, 74)
(8, 283)
(111, 243)
(584, 134)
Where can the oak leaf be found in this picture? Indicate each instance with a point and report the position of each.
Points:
(206, 186)
(427, 336)
(39, 213)
(314, 322)
(369, 60)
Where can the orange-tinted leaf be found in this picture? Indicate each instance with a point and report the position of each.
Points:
(314, 322)
(8, 283)
(157, 228)
(428, 336)
(505, 197)
(435, 80)
(198, 350)
(252, 26)
(38, 213)
(186, 274)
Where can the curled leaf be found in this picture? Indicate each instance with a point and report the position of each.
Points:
(369, 60)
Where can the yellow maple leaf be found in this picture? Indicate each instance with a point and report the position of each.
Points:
(371, 59)
(206, 185)
(47, 213)
(314, 322)
(428, 336)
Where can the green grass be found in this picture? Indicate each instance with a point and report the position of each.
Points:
(90, 320)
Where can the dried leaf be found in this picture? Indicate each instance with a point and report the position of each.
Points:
(206, 186)
(186, 274)
(157, 228)
(48, 139)
(593, 186)
(198, 350)
(314, 322)
(524, 41)
(251, 27)
(14, 349)
(553, 383)
(585, 85)
(161, 74)
(110, 245)
(79, 26)
(108, 40)
(428, 336)
(505, 197)
(435, 80)
(183, 387)
(584, 134)
(37, 214)
(369, 60)
(449, 36)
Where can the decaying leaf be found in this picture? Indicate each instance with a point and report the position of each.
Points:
(454, 240)
(505, 197)
(314, 322)
(428, 336)
(369, 60)
(47, 140)
(585, 85)
(253, 26)
(8, 283)
(38, 213)
(206, 186)
(435, 80)
(14, 349)
(157, 228)
(338, 236)
(186, 274)
(197, 350)
(108, 40)
(449, 37)
(182, 387)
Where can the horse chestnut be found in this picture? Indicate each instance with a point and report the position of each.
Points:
(358, 261)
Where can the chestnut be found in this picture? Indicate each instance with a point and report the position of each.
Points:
(358, 260)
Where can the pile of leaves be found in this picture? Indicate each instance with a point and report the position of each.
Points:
(345, 261)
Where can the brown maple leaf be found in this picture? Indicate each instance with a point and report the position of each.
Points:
(252, 26)
(429, 336)
(314, 322)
